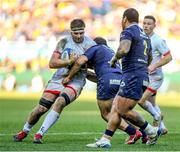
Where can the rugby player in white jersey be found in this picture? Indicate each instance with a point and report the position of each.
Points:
(161, 56)
(56, 94)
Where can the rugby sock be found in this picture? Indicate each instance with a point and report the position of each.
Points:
(150, 108)
(27, 127)
(105, 139)
(148, 129)
(50, 119)
(162, 126)
(130, 130)
(109, 133)
(143, 133)
(156, 107)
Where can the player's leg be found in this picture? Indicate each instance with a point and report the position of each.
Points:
(68, 95)
(156, 107)
(45, 103)
(145, 103)
(123, 104)
(105, 109)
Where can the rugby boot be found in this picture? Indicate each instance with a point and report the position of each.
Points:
(133, 138)
(20, 136)
(38, 139)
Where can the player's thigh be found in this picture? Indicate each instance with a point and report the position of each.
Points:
(123, 105)
(154, 83)
(146, 96)
(105, 106)
(73, 90)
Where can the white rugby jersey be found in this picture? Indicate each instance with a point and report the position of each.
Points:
(159, 49)
(77, 48)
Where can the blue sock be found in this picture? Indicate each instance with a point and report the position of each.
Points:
(143, 133)
(144, 126)
(109, 133)
(130, 130)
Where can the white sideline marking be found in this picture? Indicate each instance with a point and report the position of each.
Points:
(79, 133)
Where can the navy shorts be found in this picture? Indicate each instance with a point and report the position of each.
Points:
(108, 86)
(133, 85)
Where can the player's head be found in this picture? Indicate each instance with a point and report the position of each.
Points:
(100, 40)
(130, 15)
(77, 30)
(149, 23)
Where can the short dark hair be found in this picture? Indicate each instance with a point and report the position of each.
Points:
(100, 40)
(150, 17)
(132, 15)
(77, 24)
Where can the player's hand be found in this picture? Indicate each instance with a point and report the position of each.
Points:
(72, 58)
(113, 61)
(151, 68)
(66, 80)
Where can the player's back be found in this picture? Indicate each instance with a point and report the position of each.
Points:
(136, 59)
(99, 57)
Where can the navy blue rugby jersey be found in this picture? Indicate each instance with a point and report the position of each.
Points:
(137, 58)
(99, 57)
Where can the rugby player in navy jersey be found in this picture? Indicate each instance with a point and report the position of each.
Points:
(135, 51)
(108, 81)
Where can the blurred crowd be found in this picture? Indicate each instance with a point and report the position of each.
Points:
(31, 28)
(31, 19)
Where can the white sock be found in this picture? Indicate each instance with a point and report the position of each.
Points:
(162, 126)
(150, 108)
(27, 127)
(150, 130)
(105, 139)
(156, 107)
(50, 119)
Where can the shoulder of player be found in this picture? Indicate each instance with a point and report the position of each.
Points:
(157, 39)
(62, 42)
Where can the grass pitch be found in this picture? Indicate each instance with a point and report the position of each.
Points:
(79, 124)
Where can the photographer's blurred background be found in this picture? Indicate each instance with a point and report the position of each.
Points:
(30, 29)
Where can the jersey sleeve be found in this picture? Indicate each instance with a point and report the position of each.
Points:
(60, 46)
(90, 53)
(126, 35)
(162, 47)
(89, 43)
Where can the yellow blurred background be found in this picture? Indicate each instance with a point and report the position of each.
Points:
(30, 30)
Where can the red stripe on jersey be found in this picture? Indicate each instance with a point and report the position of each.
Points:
(67, 86)
(53, 92)
(151, 90)
(166, 53)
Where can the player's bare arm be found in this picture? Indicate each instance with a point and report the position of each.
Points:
(123, 49)
(76, 67)
(164, 60)
(55, 61)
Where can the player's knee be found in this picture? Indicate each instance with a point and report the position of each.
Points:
(45, 104)
(66, 98)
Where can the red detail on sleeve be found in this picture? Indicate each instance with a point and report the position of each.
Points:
(166, 53)
(151, 90)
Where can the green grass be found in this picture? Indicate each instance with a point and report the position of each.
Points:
(79, 124)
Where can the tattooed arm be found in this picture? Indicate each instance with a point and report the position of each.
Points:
(55, 61)
(123, 49)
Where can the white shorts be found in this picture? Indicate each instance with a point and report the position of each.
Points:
(55, 86)
(155, 83)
